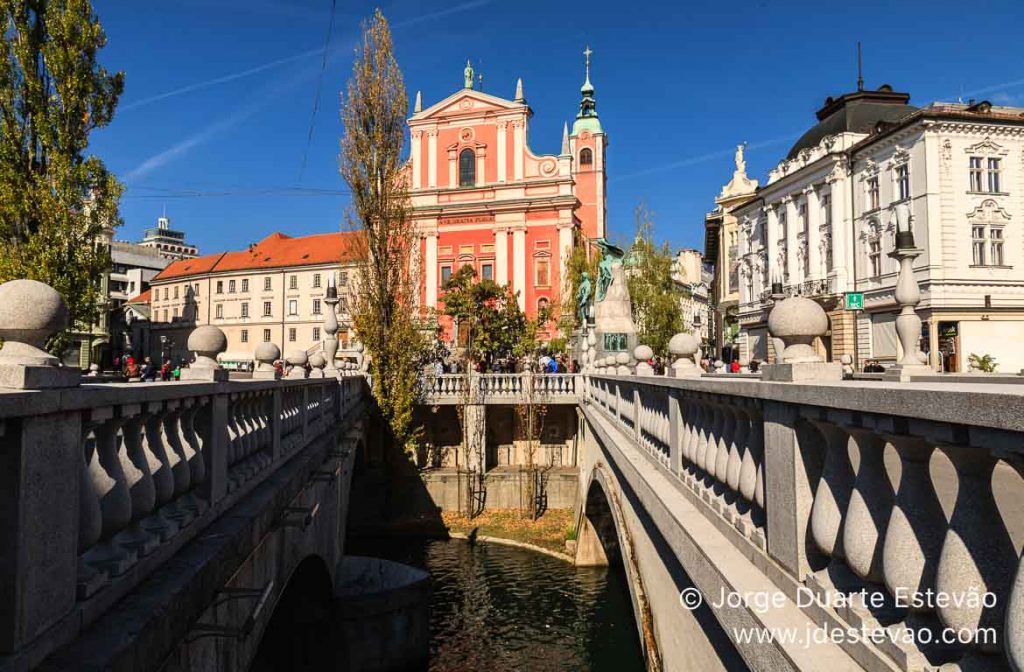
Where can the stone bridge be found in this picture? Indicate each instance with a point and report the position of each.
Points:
(819, 510)
(158, 526)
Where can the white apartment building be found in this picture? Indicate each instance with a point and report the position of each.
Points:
(688, 272)
(822, 226)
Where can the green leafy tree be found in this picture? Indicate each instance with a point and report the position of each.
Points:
(581, 260)
(495, 328)
(58, 205)
(655, 295)
(373, 113)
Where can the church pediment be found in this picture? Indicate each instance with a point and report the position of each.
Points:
(467, 102)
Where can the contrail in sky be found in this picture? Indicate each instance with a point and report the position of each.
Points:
(248, 72)
(255, 70)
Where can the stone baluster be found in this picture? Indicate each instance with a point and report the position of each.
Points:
(977, 556)
(110, 488)
(90, 515)
(913, 539)
(191, 443)
(752, 455)
(867, 516)
(737, 445)
(160, 471)
(725, 440)
(692, 413)
(832, 496)
(138, 481)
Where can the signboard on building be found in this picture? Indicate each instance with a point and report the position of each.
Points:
(854, 301)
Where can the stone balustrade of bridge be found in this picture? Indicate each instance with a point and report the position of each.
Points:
(831, 489)
(500, 388)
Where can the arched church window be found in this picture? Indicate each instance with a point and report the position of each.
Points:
(586, 157)
(467, 168)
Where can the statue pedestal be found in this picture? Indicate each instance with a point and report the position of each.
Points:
(613, 315)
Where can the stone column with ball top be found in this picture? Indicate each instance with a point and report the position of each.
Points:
(206, 342)
(684, 347)
(265, 355)
(30, 313)
(296, 361)
(797, 321)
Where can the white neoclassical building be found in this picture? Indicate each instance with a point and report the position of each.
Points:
(822, 226)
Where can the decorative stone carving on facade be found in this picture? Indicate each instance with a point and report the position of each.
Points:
(989, 211)
(986, 147)
(870, 169)
(899, 157)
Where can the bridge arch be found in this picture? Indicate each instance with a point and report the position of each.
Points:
(598, 543)
(298, 634)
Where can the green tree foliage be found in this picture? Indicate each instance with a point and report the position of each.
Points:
(57, 204)
(498, 328)
(373, 112)
(654, 294)
(581, 260)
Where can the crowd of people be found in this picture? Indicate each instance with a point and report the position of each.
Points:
(147, 370)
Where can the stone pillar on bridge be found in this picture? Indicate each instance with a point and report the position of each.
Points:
(265, 355)
(206, 342)
(38, 530)
(798, 321)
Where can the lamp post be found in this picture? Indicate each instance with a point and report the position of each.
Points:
(331, 326)
(777, 295)
(908, 295)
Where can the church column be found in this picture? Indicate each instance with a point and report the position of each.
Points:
(432, 158)
(519, 264)
(518, 131)
(792, 264)
(431, 269)
(417, 159)
(501, 255)
(502, 156)
(564, 250)
(814, 265)
(481, 156)
(453, 162)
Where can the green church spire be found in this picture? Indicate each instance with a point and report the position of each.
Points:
(586, 118)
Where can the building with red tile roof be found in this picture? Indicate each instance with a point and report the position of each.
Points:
(271, 291)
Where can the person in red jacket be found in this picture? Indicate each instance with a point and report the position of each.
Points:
(735, 366)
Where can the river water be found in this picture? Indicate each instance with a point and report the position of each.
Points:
(503, 609)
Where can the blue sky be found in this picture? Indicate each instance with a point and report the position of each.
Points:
(219, 95)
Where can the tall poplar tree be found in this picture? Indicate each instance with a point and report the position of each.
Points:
(56, 202)
(373, 111)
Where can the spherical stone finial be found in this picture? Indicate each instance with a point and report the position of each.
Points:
(297, 358)
(622, 358)
(683, 345)
(643, 353)
(30, 312)
(266, 354)
(797, 321)
(317, 361)
(207, 342)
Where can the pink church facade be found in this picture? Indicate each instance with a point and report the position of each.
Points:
(480, 197)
